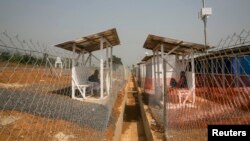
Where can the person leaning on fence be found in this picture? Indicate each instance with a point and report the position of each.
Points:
(94, 79)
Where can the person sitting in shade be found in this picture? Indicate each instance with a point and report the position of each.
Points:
(94, 79)
(182, 83)
(183, 80)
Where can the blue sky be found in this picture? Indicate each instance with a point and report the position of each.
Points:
(56, 21)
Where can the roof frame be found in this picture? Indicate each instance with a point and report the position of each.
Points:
(154, 42)
(92, 42)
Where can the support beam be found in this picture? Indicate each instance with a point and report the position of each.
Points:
(171, 66)
(87, 60)
(157, 47)
(183, 62)
(162, 81)
(106, 41)
(158, 72)
(78, 57)
(193, 75)
(154, 73)
(164, 94)
(107, 57)
(101, 69)
(83, 59)
(107, 70)
(172, 50)
(111, 67)
(77, 48)
(73, 72)
(95, 57)
(90, 59)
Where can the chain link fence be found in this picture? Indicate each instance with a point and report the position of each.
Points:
(35, 95)
(222, 90)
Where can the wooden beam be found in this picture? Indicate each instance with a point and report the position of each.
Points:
(157, 47)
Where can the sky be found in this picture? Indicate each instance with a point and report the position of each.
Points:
(55, 21)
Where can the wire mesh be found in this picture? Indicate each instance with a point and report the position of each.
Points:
(35, 95)
(222, 89)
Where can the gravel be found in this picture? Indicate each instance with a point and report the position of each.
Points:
(56, 107)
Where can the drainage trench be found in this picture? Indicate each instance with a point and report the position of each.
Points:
(132, 123)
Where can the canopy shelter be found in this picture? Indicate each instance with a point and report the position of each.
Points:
(172, 46)
(81, 71)
(169, 46)
(146, 58)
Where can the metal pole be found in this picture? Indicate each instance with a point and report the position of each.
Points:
(158, 74)
(101, 67)
(111, 67)
(154, 63)
(205, 29)
(205, 24)
(107, 57)
(164, 93)
(193, 76)
(107, 69)
(73, 72)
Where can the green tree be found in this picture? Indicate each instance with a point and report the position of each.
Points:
(115, 60)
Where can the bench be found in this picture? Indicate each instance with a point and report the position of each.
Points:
(80, 82)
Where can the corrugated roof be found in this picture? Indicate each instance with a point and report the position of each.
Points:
(92, 42)
(146, 58)
(154, 41)
(233, 51)
(140, 63)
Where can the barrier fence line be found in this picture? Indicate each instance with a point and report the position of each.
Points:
(222, 89)
(35, 94)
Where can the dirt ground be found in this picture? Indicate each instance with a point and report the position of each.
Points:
(189, 122)
(28, 76)
(16, 125)
(116, 111)
(22, 126)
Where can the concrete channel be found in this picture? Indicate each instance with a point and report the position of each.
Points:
(133, 123)
(133, 129)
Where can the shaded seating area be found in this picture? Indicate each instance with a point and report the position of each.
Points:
(180, 88)
(83, 65)
(81, 83)
(173, 60)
